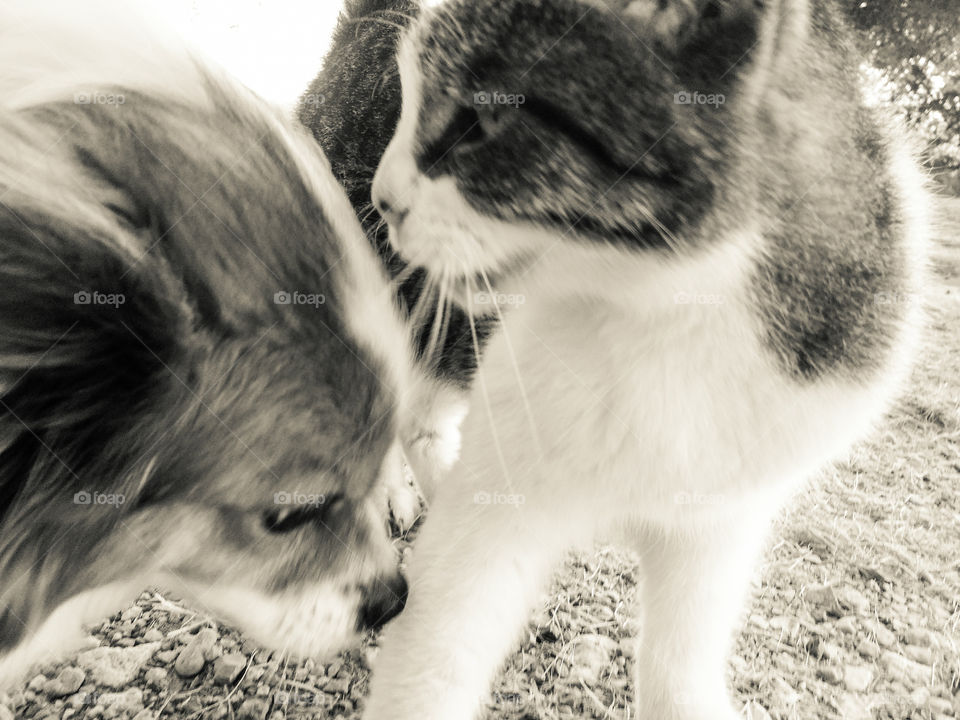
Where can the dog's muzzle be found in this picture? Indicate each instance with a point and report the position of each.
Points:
(382, 601)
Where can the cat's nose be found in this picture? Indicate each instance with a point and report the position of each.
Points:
(394, 183)
(388, 205)
(387, 201)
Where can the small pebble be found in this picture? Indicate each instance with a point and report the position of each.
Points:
(822, 595)
(253, 709)
(857, 678)
(189, 662)
(919, 654)
(855, 600)
(131, 613)
(205, 639)
(868, 649)
(157, 678)
(830, 674)
(227, 668)
(337, 685)
(128, 702)
(900, 668)
(67, 682)
(884, 637)
(847, 625)
(167, 656)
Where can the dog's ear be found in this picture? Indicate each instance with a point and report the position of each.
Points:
(91, 328)
(88, 317)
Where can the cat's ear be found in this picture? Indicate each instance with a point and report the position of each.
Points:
(706, 42)
(676, 24)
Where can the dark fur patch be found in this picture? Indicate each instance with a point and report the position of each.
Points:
(595, 138)
(832, 287)
(352, 108)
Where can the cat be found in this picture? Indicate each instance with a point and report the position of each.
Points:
(705, 254)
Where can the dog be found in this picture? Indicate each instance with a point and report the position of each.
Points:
(201, 363)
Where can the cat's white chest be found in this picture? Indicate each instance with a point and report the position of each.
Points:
(663, 414)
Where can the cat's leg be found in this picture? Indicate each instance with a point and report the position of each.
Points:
(695, 583)
(400, 494)
(430, 430)
(477, 570)
(428, 445)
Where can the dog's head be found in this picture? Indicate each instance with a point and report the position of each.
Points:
(199, 360)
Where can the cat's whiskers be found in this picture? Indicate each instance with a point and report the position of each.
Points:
(423, 304)
(672, 241)
(483, 386)
(430, 352)
(366, 211)
(513, 362)
(401, 277)
(447, 312)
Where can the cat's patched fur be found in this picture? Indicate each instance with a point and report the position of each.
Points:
(720, 252)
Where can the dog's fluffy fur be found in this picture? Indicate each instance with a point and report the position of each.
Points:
(200, 362)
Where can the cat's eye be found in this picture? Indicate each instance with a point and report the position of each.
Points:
(287, 518)
(465, 128)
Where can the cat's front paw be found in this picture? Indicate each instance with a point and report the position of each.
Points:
(431, 438)
(402, 498)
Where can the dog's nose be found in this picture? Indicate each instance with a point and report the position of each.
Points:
(382, 601)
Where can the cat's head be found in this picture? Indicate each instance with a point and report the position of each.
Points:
(529, 124)
(200, 363)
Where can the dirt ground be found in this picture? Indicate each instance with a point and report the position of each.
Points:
(855, 612)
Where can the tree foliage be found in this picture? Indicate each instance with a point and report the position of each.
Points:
(916, 46)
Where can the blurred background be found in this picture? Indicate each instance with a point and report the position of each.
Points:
(913, 49)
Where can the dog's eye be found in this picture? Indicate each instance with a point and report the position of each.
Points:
(285, 519)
